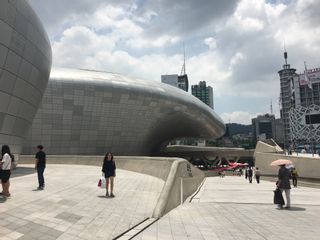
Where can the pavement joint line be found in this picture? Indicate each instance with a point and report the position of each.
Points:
(133, 232)
(128, 230)
(198, 190)
(155, 220)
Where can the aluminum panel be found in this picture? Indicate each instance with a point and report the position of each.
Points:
(91, 112)
(20, 55)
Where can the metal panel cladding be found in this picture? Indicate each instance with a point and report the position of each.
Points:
(25, 63)
(90, 112)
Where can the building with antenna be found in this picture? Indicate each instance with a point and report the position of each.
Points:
(287, 100)
(300, 105)
(180, 81)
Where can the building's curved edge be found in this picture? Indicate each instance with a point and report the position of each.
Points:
(115, 80)
(120, 114)
(25, 64)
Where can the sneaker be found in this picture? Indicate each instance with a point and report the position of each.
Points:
(40, 188)
(287, 207)
(111, 195)
(107, 194)
(279, 207)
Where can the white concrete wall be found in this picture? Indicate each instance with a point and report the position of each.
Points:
(307, 167)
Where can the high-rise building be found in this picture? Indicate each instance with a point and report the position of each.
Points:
(300, 105)
(183, 82)
(307, 87)
(287, 75)
(264, 127)
(204, 93)
(279, 138)
(179, 81)
(304, 117)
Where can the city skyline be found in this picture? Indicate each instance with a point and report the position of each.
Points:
(236, 47)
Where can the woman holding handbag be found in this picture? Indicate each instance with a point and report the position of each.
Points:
(109, 170)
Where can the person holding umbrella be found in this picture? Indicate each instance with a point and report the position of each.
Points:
(283, 182)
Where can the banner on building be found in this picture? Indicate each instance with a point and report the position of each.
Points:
(313, 76)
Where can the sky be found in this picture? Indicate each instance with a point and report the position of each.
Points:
(236, 46)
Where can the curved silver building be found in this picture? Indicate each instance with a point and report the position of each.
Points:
(25, 62)
(91, 112)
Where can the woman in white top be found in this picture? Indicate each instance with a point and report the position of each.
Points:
(5, 164)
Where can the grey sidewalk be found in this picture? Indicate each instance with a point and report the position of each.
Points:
(231, 208)
(73, 207)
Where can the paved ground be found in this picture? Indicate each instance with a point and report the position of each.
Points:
(72, 206)
(231, 208)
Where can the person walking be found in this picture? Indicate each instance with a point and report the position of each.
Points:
(109, 170)
(40, 166)
(250, 174)
(6, 165)
(284, 184)
(257, 175)
(294, 175)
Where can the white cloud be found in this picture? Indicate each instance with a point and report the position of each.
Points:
(211, 42)
(238, 117)
(236, 46)
(236, 59)
(77, 44)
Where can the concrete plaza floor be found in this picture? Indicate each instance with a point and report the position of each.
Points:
(72, 206)
(231, 208)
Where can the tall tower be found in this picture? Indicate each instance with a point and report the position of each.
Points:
(203, 92)
(286, 90)
(180, 81)
(183, 81)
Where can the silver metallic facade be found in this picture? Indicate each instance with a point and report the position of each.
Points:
(25, 63)
(91, 112)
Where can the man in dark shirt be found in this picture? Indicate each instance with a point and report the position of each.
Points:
(284, 183)
(40, 165)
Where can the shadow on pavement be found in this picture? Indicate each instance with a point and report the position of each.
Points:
(22, 171)
(102, 196)
(2, 199)
(297, 209)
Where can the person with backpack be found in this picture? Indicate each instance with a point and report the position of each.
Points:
(6, 165)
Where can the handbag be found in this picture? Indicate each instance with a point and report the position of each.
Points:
(278, 198)
(102, 182)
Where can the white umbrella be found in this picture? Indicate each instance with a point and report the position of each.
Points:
(280, 162)
(290, 166)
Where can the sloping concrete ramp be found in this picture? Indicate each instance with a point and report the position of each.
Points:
(72, 206)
